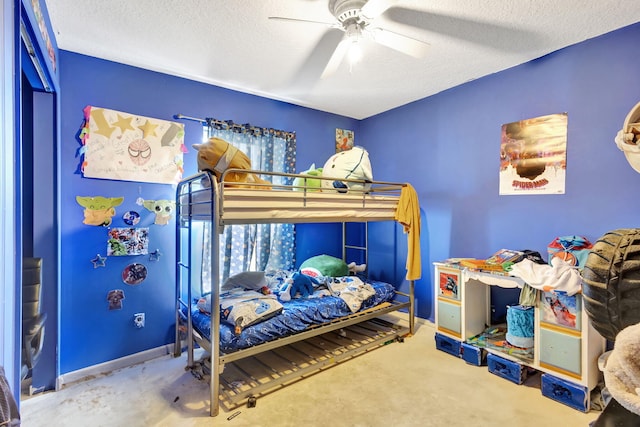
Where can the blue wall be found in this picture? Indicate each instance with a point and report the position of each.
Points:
(446, 145)
(89, 332)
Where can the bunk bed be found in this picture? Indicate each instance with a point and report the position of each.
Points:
(242, 367)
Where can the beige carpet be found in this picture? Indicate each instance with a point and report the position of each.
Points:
(401, 384)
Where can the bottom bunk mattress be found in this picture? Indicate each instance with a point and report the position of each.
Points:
(296, 316)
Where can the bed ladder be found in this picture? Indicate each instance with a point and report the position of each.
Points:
(363, 248)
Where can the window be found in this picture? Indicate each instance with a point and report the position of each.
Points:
(254, 247)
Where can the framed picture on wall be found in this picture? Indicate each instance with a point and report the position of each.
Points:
(344, 140)
(533, 156)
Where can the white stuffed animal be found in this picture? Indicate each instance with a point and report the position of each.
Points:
(622, 369)
(350, 164)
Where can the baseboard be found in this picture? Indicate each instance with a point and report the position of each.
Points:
(101, 369)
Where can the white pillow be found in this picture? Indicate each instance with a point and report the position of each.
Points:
(248, 280)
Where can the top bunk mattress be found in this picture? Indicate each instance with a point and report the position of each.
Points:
(298, 315)
(285, 204)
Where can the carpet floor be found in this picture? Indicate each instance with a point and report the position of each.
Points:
(401, 384)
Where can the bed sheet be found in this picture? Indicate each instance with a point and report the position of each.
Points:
(297, 315)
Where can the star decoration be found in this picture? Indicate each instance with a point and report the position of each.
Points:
(124, 124)
(148, 129)
(99, 261)
(155, 255)
(101, 123)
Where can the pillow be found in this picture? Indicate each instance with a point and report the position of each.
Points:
(242, 308)
(325, 264)
(247, 280)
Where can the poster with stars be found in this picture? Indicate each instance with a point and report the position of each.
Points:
(123, 146)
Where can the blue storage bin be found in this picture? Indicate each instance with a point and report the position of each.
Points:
(447, 344)
(506, 369)
(573, 395)
(473, 355)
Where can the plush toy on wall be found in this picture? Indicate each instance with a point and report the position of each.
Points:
(217, 155)
(162, 208)
(99, 210)
(350, 164)
(311, 183)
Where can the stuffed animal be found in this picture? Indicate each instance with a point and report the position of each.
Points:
(350, 164)
(325, 266)
(356, 268)
(217, 155)
(622, 368)
(298, 284)
(311, 184)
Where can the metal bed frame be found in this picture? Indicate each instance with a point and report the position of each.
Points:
(244, 375)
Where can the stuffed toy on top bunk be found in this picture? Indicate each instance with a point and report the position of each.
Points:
(309, 181)
(217, 155)
(349, 164)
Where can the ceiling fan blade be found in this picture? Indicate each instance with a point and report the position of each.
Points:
(309, 72)
(338, 55)
(401, 43)
(374, 8)
(307, 21)
(484, 33)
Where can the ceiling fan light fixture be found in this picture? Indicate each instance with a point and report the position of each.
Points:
(354, 35)
(355, 53)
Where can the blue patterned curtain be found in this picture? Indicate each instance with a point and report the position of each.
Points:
(255, 247)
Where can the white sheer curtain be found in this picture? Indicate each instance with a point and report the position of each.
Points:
(256, 247)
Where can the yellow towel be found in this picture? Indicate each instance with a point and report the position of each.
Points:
(408, 214)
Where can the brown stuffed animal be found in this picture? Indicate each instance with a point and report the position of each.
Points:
(217, 155)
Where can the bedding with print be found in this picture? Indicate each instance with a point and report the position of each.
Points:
(297, 315)
(241, 308)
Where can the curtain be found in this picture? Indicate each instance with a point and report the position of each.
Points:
(254, 247)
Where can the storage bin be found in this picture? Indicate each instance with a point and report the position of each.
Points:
(473, 355)
(573, 395)
(447, 344)
(506, 369)
(520, 326)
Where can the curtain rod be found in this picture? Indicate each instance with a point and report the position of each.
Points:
(195, 119)
(232, 125)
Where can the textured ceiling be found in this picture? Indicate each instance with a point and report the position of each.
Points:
(233, 44)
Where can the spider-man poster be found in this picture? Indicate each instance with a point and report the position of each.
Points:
(533, 156)
(123, 146)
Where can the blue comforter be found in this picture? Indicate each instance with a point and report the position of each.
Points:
(297, 315)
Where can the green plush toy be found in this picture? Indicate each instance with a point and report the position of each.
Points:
(326, 265)
(311, 183)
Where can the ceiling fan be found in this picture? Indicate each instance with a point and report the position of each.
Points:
(356, 18)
